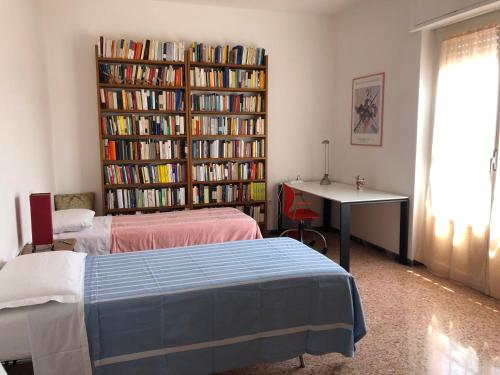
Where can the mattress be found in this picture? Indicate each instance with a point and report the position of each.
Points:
(116, 234)
(94, 240)
(209, 308)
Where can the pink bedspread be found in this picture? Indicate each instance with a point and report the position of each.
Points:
(181, 228)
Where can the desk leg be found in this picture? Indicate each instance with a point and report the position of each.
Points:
(403, 231)
(327, 214)
(345, 234)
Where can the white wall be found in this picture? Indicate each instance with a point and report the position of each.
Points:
(26, 151)
(300, 76)
(372, 37)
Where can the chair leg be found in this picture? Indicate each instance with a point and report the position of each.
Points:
(287, 231)
(301, 231)
(302, 363)
(325, 249)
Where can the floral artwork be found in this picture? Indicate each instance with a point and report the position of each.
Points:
(367, 110)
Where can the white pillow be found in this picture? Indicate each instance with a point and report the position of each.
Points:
(41, 277)
(72, 220)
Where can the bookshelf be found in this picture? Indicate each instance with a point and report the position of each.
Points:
(196, 138)
(225, 124)
(143, 134)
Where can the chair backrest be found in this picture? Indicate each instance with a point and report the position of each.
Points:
(289, 197)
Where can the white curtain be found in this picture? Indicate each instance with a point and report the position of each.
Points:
(458, 208)
(493, 281)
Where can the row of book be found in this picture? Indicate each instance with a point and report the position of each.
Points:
(226, 55)
(228, 171)
(230, 193)
(145, 198)
(203, 149)
(147, 174)
(136, 74)
(142, 125)
(227, 78)
(258, 212)
(227, 103)
(142, 100)
(147, 49)
(144, 150)
(226, 125)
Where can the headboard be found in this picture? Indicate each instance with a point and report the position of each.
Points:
(80, 200)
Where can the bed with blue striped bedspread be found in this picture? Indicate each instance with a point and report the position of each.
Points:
(209, 308)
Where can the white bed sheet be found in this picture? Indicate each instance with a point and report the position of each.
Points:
(51, 334)
(94, 240)
(21, 328)
(14, 339)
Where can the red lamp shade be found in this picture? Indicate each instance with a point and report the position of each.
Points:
(41, 219)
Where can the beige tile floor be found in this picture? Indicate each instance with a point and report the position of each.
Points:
(417, 324)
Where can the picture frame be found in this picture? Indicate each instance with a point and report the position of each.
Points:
(367, 111)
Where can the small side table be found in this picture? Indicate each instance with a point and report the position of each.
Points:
(67, 244)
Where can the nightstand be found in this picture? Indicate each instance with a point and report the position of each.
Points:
(67, 244)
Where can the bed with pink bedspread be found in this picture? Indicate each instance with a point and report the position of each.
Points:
(118, 234)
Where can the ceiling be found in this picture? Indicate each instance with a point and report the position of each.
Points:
(325, 7)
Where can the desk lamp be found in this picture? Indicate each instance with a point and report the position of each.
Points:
(326, 180)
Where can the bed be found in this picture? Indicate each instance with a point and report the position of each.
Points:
(115, 234)
(197, 310)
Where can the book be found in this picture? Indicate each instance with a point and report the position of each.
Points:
(148, 49)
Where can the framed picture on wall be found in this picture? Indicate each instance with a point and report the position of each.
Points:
(367, 114)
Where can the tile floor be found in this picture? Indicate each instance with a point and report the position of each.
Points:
(417, 324)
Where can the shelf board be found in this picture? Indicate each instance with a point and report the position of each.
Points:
(145, 111)
(155, 136)
(226, 182)
(245, 203)
(140, 186)
(207, 160)
(202, 64)
(228, 113)
(112, 60)
(227, 89)
(149, 161)
(134, 209)
(145, 87)
(228, 136)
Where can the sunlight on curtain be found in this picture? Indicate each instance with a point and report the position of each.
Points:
(459, 193)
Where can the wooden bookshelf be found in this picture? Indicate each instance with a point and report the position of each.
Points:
(106, 112)
(188, 137)
(246, 91)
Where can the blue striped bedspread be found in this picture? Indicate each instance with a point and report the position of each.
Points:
(208, 308)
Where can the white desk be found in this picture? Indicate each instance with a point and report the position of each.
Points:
(347, 195)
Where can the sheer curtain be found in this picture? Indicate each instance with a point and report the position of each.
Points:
(493, 281)
(458, 207)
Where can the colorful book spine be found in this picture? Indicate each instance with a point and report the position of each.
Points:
(142, 125)
(203, 149)
(228, 171)
(230, 193)
(145, 198)
(242, 55)
(144, 150)
(226, 125)
(116, 174)
(227, 103)
(142, 100)
(136, 74)
(147, 49)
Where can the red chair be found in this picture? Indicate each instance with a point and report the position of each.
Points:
(298, 210)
